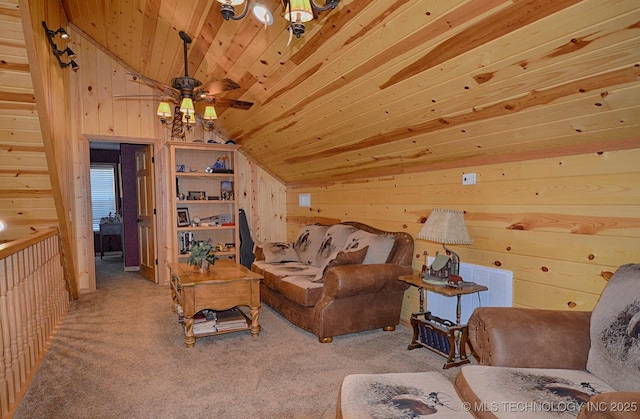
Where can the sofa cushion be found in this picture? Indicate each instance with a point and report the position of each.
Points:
(286, 269)
(334, 240)
(379, 245)
(527, 392)
(308, 242)
(278, 252)
(614, 355)
(301, 290)
(399, 395)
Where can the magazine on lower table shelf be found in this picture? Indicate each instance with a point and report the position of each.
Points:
(211, 321)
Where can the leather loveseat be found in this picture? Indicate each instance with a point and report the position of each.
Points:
(531, 364)
(338, 279)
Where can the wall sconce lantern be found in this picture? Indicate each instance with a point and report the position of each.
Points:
(59, 52)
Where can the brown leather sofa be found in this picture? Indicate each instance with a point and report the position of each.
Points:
(349, 298)
(536, 363)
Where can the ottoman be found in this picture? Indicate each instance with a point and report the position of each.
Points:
(402, 395)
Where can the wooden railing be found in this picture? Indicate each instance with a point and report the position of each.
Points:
(33, 300)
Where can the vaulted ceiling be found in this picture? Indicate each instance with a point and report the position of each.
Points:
(381, 86)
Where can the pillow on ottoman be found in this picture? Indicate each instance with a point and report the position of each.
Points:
(308, 242)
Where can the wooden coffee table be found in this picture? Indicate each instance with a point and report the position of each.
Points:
(227, 285)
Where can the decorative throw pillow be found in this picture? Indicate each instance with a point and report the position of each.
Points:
(614, 355)
(349, 257)
(343, 257)
(278, 252)
(380, 245)
(334, 240)
(308, 242)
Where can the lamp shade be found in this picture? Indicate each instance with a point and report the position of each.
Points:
(210, 113)
(445, 226)
(300, 11)
(164, 110)
(186, 107)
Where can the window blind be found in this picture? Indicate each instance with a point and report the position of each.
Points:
(103, 193)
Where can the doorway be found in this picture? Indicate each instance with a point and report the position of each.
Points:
(134, 206)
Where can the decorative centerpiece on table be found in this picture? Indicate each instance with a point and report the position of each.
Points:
(202, 256)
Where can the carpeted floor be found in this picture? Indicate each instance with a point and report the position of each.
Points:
(119, 354)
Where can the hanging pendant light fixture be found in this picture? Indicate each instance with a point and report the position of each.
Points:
(188, 113)
(209, 116)
(297, 12)
(186, 107)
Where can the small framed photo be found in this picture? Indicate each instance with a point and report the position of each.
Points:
(183, 217)
(226, 190)
(197, 196)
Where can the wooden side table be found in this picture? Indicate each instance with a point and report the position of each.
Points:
(440, 335)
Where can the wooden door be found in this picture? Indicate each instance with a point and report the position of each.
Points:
(146, 218)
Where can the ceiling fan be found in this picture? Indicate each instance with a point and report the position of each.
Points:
(189, 87)
(185, 90)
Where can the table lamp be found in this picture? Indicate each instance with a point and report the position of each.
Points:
(446, 227)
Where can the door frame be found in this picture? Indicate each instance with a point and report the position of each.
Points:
(160, 189)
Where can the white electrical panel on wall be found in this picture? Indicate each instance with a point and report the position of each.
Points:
(304, 200)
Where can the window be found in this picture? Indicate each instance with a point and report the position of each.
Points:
(103, 193)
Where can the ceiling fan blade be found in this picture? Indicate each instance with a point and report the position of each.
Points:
(219, 86)
(231, 103)
(137, 96)
(151, 82)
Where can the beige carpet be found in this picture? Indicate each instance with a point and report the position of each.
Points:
(119, 354)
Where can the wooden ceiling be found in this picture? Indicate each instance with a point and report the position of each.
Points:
(384, 86)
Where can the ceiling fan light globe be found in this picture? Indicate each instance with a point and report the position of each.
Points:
(261, 13)
(164, 110)
(210, 113)
(186, 107)
(299, 11)
(188, 120)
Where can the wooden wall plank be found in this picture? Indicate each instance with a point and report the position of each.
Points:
(556, 223)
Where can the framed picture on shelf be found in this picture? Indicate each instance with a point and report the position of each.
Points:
(197, 196)
(183, 217)
(226, 190)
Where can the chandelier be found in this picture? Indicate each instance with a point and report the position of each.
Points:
(185, 115)
(297, 12)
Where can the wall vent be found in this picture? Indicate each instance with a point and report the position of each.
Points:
(499, 282)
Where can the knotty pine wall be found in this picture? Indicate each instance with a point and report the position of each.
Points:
(560, 224)
(51, 85)
(99, 115)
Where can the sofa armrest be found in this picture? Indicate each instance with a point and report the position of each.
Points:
(615, 404)
(349, 280)
(530, 338)
(258, 252)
